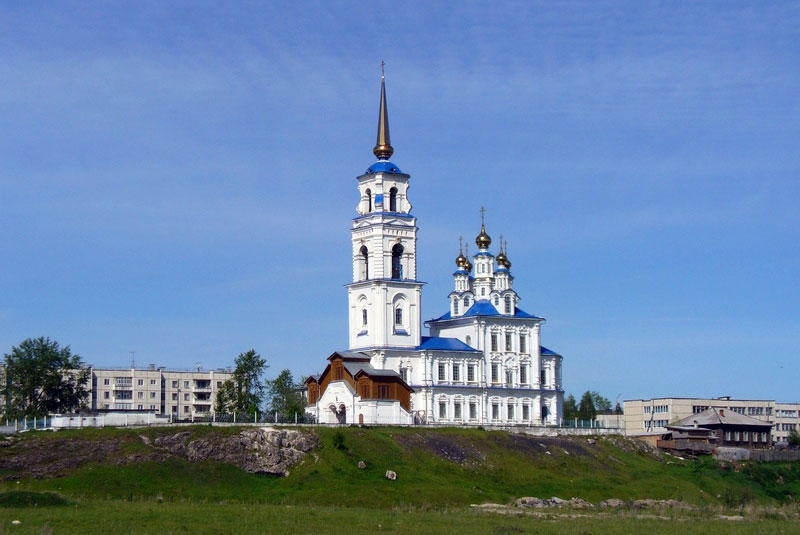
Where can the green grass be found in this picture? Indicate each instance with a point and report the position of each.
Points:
(328, 493)
(501, 471)
(98, 516)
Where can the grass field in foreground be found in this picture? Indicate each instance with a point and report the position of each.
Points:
(103, 517)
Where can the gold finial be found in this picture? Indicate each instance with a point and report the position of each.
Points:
(383, 147)
(461, 260)
(483, 241)
(502, 259)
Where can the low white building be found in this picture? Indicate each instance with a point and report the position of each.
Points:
(483, 362)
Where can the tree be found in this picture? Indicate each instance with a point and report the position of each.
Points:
(586, 409)
(244, 392)
(570, 408)
(284, 395)
(600, 403)
(618, 408)
(42, 378)
(794, 438)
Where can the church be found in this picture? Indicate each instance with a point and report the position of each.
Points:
(482, 362)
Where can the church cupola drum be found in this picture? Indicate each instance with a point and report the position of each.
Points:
(384, 297)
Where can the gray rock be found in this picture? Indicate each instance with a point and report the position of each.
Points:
(555, 500)
(612, 502)
(362, 464)
(391, 475)
(531, 501)
(580, 503)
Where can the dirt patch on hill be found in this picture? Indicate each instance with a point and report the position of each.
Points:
(454, 448)
(256, 450)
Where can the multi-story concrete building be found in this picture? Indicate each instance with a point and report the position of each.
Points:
(181, 394)
(651, 416)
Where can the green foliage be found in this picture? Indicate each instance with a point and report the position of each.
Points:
(570, 408)
(586, 408)
(42, 378)
(245, 391)
(618, 408)
(284, 395)
(600, 403)
(27, 498)
(794, 438)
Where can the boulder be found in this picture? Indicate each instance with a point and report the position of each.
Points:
(531, 501)
(362, 464)
(612, 502)
(391, 475)
(580, 503)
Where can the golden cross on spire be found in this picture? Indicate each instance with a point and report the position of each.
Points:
(501, 243)
(460, 244)
(483, 213)
(383, 63)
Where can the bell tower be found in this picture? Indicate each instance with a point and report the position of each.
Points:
(384, 297)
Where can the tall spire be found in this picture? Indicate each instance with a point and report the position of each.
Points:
(383, 147)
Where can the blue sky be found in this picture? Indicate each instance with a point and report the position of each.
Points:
(179, 179)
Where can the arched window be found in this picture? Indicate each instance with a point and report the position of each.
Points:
(393, 200)
(364, 317)
(397, 266)
(365, 256)
(398, 316)
(369, 200)
(466, 303)
(455, 306)
(508, 304)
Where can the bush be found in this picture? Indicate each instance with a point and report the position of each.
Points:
(794, 438)
(736, 498)
(25, 498)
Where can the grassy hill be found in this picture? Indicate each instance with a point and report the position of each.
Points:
(111, 479)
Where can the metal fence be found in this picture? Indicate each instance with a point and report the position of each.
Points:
(585, 424)
(25, 424)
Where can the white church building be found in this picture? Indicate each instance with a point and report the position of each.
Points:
(482, 363)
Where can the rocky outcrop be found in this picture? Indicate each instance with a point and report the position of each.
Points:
(259, 451)
(611, 503)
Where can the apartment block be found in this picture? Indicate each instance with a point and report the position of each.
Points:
(178, 393)
(651, 416)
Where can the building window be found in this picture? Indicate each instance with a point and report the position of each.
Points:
(186, 397)
(495, 411)
(470, 373)
(509, 377)
(174, 409)
(186, 384)
(105, 381)
(105, 395)
(152, 381)
(383, 391)
(140, 395)
(397, 266)
(365, 391)
(469, 340)
(174, 384)
(393, 200)
(140, 407)
(365, 258)
(404, 374)
(398, 316)
(457, 411)
(466, 304)
(455, 372)
(442, 409)
(511, 412)
(543, 377)
(473, 411)
(455, 307)
(364, 317)
(174, 397)
(523, 346)
(369, 200)
(495, 373)
(483, 292)
(152, 394)
(508, 304)
(496, 301)
(526, 412)
(186, 408)
(441, 371)
(523, 374)
(494, 341)
(508, 342)
(736, 436)
(140, 382)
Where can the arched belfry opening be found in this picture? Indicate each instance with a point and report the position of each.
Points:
(364, 262)
(397, 261)
(393, 200)
(369, 200)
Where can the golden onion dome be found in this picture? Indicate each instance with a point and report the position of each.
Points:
(482, 240)
(502, 260)
(468, 266)
(461, 260)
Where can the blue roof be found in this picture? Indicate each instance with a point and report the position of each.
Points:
(483, 307)
(383, 166)
(544, 351)
(444, 344)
